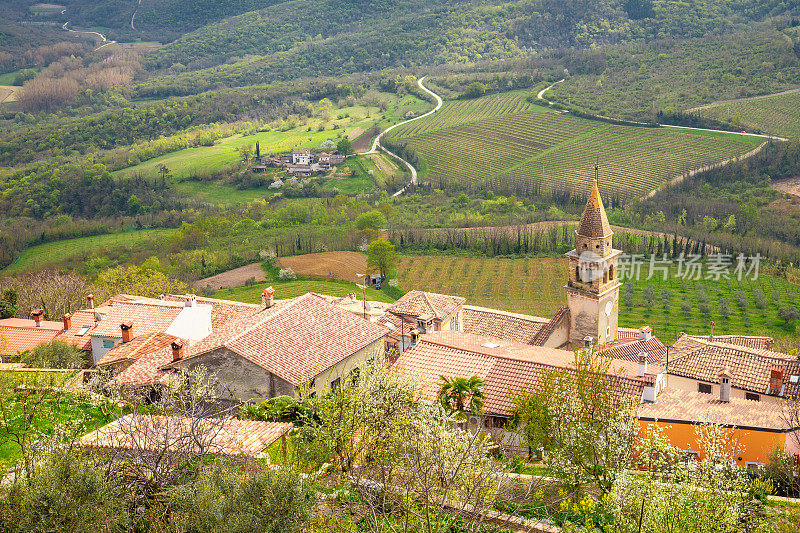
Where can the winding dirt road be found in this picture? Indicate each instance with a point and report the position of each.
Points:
(103, 39)
(376, 144)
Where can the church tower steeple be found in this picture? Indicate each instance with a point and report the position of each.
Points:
(593, 287)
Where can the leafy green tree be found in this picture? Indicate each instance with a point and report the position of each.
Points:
(9, 303)
(225, 498)
(462, 394)
(371, 220)
(788, 314)
(344, 146)
(54, 354)
(381, 257)
(475, 90)
(67, 494)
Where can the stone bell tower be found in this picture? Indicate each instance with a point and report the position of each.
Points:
(593, 287)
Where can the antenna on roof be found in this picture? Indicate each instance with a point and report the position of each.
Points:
(596, 168)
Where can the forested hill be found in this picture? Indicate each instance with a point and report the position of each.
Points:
(334, 37)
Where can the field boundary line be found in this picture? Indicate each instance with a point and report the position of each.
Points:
(678, 179)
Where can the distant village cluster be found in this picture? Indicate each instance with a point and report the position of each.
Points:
(299, 163)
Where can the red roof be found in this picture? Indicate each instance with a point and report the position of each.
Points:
(295, 339)
(628, 349)
(149, 315)
(80, 319)
(505, 366)
(18, 334)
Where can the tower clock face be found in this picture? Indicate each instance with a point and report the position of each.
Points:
(609, 308)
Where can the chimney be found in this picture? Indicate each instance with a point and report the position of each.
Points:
(725, 377)
(191, 300)
(177, 350)
(37, 315)
(776, 379)
(90, 301)
(711, 337)
(268, 297)
(67, 318)
(645, 333)
(642, 364)
(127, 331)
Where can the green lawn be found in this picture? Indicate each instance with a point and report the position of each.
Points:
(57, 407)
(60, 252)
(290, 289)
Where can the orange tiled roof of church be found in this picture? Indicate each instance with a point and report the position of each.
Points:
(594, 222)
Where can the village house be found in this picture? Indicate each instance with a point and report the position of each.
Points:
(301, 157)
(417, 313)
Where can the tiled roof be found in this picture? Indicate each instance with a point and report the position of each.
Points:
(18, 335)
(141, 346)
(594, 222)
(501, 324)
(230, 437)
(703, 360)
(149, 315)
(676, 405)
(80, 319)
(550, 327)
(295, 339)
(627, 333)
(222, 311)
(629, 349)
(748, 341)
(418, 303)
(505, 368)
(146, 370)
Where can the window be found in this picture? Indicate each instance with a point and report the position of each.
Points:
(577, 273)
(108, 343)
(82, 331)
(705, 388)
(335, 384)
(454, 324)
(611, 272)
(752, 396)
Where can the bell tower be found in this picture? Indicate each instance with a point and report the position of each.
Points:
(593, 286)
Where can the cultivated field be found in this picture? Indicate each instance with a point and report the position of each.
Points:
(336, 265)
(503, 143)
(776, 114)
(65, 252)
(234, 278)
(535, 286)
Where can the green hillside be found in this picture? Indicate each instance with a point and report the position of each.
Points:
(504, 144)
(778, 114)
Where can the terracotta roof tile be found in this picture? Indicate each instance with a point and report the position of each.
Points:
(696, 407)
(231, 437)
(222, 311)
(80, 319)
(18, 335)
(629, 350)
(295, 339)
(594, 222)
(550, 327)
(505, 366)
(149, 315)
(141, 346)
(694, 358)
(748, 341)
(501, 324)
(418, 303)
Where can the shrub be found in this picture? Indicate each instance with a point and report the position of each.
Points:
(788, 314)
(686, 308)
(54, 354)
(287, 274)
(67, 493)
(741, 299)
(224, 499)
(760, 299)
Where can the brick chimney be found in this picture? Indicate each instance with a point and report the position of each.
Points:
(37, 315)
(268, 297)
(90, 301)
(725, 379)
(177, 350)
(776, 379)
(127, 331)
(642, 364)
(67, 318)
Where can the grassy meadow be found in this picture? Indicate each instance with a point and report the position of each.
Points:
(776, 114)
(535, 286)
(291, 289)
(504, 143)
(68, 251)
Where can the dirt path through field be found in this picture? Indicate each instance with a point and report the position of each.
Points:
(234, 278)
